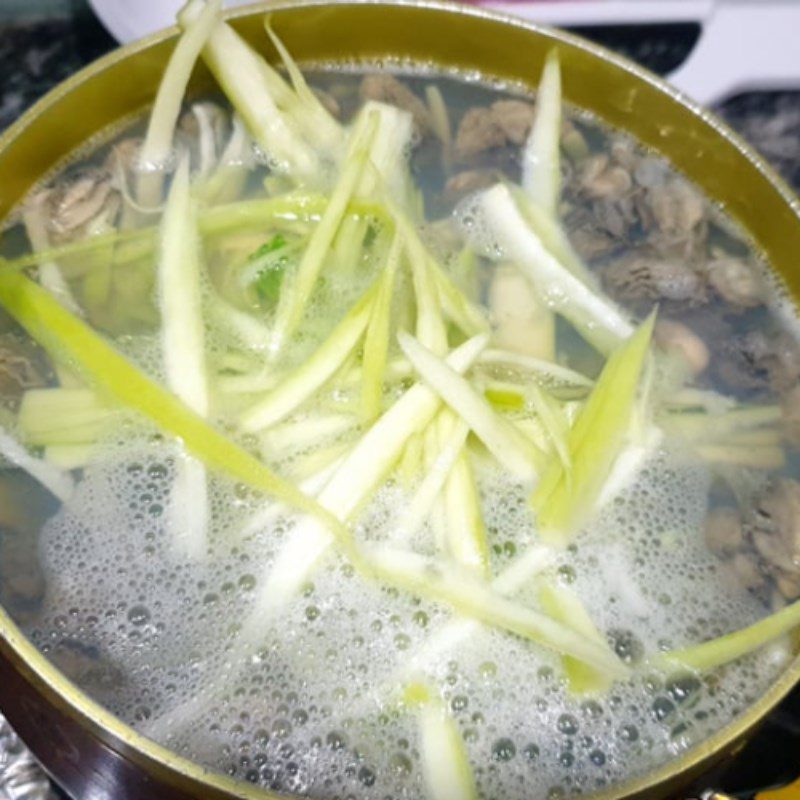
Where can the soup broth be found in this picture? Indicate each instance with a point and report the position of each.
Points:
(634, 489)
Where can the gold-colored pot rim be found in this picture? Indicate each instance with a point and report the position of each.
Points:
(134, 746)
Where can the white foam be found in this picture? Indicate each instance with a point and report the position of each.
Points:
(302, 710)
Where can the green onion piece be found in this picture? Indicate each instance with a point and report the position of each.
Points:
(229, 177)
(183, 337)
(445, 764)
(541, 162)
(453, 436)
(317, 124)
(564, 605)
(253, 88)
(295, 295)
(364, 467)
(428, 578)
(518, 455)
(555, 423)
(563, 502)
(300, 384)
(157, 145)
(592, 314)
(732, 646)
(542, 370)
(34, 217)
(549, 228)
(242, 325)
(455, 304)
(376, 341)
(183, 348)
(466, 533)
(430, 326)
(68, 456)
(376, 452)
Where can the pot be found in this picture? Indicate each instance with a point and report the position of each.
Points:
(87, 750)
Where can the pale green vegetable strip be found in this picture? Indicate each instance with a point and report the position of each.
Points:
(515, 453)
(347, 247)
(208, 117)
(555, 422)
(227, 180)
(364, 467)
(506, 396)
(188, 508)
(68, 456)
(455, 304)
(628, 464)
(705, 426)
(474, 598)
(546, 370)
(563, 503)
(69, 432)
(310, 485)
(295, 293)
(438, 289)
(445, 765)
(183, 337)
(376, 340)
(157, 145)
(375, 453)
(213, 221)
(411, 459)
(317, 123)
(593, 315)
(57, 482)
(541, 162)
(715, 653)
(63, 416)
(253, 382)
(563, 605)
(300, 384)
(243, 76)
(422, 502)
(242, 325)
(533, 561)
(466, 532)
(387, 170)
(299, 434)
(550, 230)
(305, 467)
(532, 428)
(183, 347)
(440, 120)
(70, 341)
(44, 406)
(430, 325)
(431, 438)
(34, 219)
